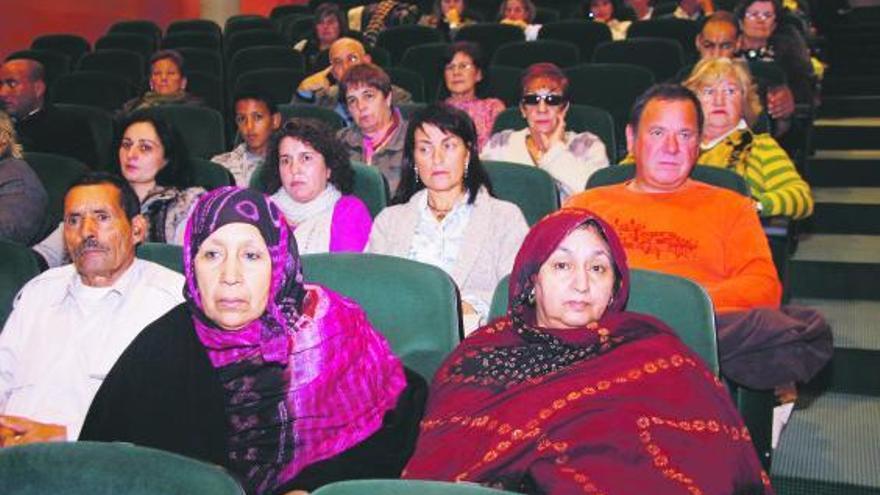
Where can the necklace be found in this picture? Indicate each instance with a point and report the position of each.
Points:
(439, 213)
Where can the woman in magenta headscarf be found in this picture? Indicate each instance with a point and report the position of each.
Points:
(569, 393)
(285, 383)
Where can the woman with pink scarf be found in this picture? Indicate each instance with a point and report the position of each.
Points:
(284, 383)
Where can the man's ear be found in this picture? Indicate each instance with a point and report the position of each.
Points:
(40, 89)
(139, 229)
(276, 120)
(630, 138)
(698, 40)
(367, 58)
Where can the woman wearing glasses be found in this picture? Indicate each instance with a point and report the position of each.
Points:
(731, 104)
(445, 213)
(567, 156)
(763, 38)
(463, 72)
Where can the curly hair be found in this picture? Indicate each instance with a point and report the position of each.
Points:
(179, 171)
(709, 71)
(9, 146)
(320, 137)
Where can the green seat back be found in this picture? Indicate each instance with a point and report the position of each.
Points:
(408, 80)
(278, 84)
(146, 27)
(168, 255)
(369, 186)
(202, 60)
(683, 305)
(530, 188)
(408, 110)
(503, 83)
(611, 87)
(200, 127)
(264, 57)
(125, 63)
(715, 176)
(414, 305)
(19, 265)
(684, 31)
(210, 175)
(93, 88)
(663, 57)
(143, 44)
(194, 25)
(525, 53)
(584, 34)
(397, 39)
(57, 173)
(208, 87)
(97, 468)
(304, 111)
(72, 45)
(192, 39)
(579, 118)
(100, 122)
(234, 42)
(490, 35)
(427, 61)
(404, 487)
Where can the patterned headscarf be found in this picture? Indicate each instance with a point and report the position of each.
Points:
(269, 333)
(543, 350)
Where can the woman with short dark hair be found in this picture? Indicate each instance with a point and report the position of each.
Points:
(445, 214)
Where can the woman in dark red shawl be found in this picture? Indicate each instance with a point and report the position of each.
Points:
(569, 393)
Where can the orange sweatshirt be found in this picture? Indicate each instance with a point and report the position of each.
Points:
(707, 234)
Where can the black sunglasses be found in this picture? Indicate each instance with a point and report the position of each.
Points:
(551, 99)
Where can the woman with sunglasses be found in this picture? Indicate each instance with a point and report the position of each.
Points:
(567, 156)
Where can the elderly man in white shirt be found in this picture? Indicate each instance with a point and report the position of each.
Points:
(70, 324)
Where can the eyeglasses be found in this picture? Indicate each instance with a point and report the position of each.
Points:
(760, 16)
(550, 99)
(463, 66)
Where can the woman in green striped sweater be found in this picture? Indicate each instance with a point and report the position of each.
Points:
(731, 104)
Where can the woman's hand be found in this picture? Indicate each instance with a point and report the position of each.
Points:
(545, 141)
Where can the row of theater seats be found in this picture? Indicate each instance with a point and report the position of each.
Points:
(96, 468)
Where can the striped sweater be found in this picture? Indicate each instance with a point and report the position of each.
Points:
(768, 170)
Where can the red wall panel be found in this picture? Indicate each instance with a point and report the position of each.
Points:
(89, 18)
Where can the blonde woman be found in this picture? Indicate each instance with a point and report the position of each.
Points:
(731, 106)
(23, 199)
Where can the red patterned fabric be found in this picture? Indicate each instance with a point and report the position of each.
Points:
(639, 414)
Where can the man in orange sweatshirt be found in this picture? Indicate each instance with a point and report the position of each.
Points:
(673, 224)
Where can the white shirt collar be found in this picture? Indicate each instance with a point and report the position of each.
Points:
(711, 144)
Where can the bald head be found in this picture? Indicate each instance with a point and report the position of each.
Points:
(344, 53)
(22, 86)
(719, 36)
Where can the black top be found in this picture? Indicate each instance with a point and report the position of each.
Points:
(52, 130)
(164, 393)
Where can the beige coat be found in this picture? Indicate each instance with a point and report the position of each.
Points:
(492, 238)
